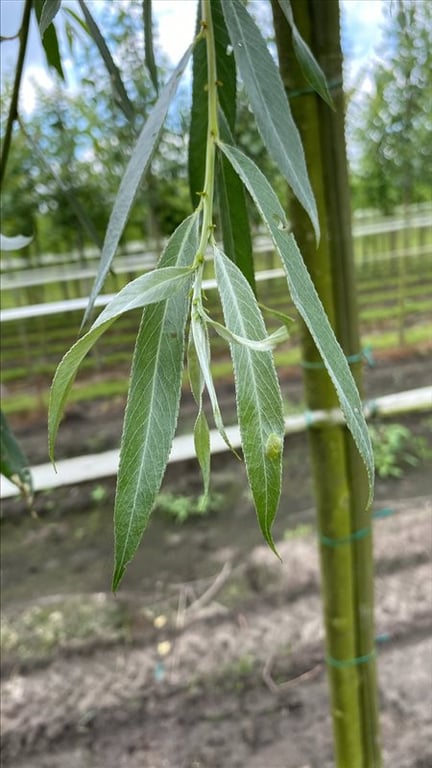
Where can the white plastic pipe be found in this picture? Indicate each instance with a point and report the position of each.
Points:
(97, 466)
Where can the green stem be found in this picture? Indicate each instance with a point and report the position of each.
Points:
(13, 109)
(212, 132)
(207, 193)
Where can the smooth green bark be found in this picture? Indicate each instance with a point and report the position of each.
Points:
(340, 478)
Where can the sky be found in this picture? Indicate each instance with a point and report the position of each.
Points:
(175, 19)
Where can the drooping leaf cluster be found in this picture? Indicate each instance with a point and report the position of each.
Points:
(175, 323)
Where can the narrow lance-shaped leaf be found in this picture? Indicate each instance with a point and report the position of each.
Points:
(49, 41)
(202, 346)
(13, 463)
(116, 82)
(149, 288)
(198, 123)
(266, 344)
(233, 211)
(267, 98)
(310, 67)
(308, 303)
(148, 43)
(49, 11)
(201, 428)
(136, 168)
(259, 401)
(227, 85)
(153, 402)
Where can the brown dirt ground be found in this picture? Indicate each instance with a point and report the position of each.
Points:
(211, 656)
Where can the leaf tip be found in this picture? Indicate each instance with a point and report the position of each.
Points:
(118, 574)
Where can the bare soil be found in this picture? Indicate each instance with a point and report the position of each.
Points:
(211, 656)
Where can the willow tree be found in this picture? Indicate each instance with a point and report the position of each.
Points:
(176, 321)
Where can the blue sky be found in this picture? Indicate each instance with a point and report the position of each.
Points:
(361, 35)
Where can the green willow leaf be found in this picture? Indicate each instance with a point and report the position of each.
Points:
(49, 11)
(309, 65)
(227, 91)
(202, 347)
(201, 428)
(236, 234)
(148, 43)
(266, 344)
(198, 123)
(153, 402)
(49, 41)
(152, 287)
(13, 463)
(116, 82)
(308, 303)
(203, 454)
(285, 319)
(259, 400)
(136, 168)
(268, 100)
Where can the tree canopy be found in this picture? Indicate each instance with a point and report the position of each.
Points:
(392, 125)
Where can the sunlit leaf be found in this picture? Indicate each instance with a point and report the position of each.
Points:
(136, 168)
(49, 41)
(153, 402)
(268, 100)
(308, 303)
(259, 401)
(49, 11)
(152, 287)
(309, 65)
(13, 463)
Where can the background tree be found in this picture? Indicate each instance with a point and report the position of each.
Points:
(396, 116)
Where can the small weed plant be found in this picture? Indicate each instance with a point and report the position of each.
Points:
(396, 448)
(183, 509)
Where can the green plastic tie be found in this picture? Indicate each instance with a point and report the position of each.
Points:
(347, 663)
(365, 354)
(328, 541)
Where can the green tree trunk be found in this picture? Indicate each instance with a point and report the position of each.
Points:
(340, 479)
